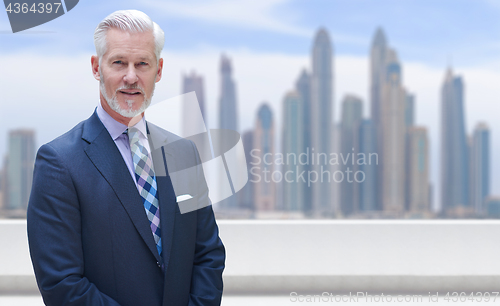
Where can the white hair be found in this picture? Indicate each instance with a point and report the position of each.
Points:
(132, 21)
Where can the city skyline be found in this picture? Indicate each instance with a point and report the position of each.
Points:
(352, 112)
(425, 112)
(403, 176)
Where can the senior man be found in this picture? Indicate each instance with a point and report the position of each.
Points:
(104, 224)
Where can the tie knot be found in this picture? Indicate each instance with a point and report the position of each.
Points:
(133, 134)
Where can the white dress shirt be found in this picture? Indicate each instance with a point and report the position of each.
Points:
(116, 130)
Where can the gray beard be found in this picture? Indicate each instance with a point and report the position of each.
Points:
(114, 105)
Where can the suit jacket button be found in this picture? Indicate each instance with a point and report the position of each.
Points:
(158, 264)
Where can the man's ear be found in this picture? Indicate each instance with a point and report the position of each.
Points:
(94, 60)
(160, 70)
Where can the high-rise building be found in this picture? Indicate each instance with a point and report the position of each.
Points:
(303, 87)
(228, 115)
(419, 169)
(378, 64)
(19, 172)
(193, 82)
(292, 141)
(454, 150)
(409, 123)
(410, 110)
(321, 120)
(3, 184)
(265, 196)
(336, 168)
(480, 168)
(352, 114)
(493, 207)
(246, 194)
(228, 110)
(393, 133)
(366, 191)
(378, 72)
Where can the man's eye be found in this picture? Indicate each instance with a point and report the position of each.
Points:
(117, 62)
(143, 63)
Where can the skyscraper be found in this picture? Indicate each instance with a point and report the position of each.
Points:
(378, 72)
(393, 136)
(265, 197)
(3, 184)
(410, 110)
(228, 110)
(321, 119)
(493, 207)
(352, 114)
(303, 87)
(480, 168)
(228, 115)
(335, 190)
(366, 191)
(193, 82)
(409, 123)
(419, 169)
(246, 194)
(454, 159)
(20, 168)
(292, 141)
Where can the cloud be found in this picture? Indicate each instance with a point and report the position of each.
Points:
(493, 3)
(253, 14)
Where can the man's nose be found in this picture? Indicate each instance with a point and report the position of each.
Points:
(131, 75)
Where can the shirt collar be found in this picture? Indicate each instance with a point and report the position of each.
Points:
(115, 128)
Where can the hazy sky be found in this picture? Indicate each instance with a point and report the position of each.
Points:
(46, 80)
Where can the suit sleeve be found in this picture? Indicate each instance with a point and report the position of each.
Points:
(54, 235)
(210, 255)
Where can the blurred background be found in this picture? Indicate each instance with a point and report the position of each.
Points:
(346, 109)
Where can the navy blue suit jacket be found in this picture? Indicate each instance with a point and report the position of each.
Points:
(89, 237)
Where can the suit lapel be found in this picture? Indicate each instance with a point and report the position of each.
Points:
(167, 215)
(108, 160)
(166, 193)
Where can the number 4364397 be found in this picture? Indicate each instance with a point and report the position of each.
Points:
(39, 8)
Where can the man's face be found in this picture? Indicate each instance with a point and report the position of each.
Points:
(128, 72)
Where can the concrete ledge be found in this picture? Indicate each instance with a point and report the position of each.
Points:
(310, 256)
(312, 284)
(367, 255)
(18, 285)
(373, 284)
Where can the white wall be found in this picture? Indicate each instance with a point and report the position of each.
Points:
(334, 256)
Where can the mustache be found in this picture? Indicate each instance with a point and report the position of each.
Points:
(135, 86)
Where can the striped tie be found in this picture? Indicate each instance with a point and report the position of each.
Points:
(146, 183)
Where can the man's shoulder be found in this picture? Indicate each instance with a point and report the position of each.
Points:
(70, 140)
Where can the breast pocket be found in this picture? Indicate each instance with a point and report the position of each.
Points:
(185, 206)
